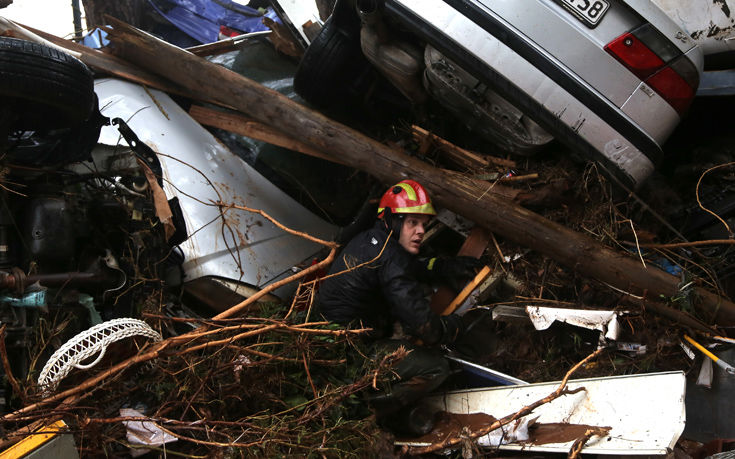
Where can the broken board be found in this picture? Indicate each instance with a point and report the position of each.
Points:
(473, 246)
(645, 412)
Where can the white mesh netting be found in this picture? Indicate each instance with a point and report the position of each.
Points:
(93, 341)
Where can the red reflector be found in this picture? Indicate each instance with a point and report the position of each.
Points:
(670, 82)
(634, 55)
(672, 88)
(227, 32)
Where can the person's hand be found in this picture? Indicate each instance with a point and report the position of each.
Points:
(454, 328)
(478, 337)
(457, 271)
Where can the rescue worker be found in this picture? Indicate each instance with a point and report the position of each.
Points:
(384, 287)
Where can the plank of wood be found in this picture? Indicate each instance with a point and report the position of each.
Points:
(474, 246)
(226, 45)
(282, 39)
(476, 242)
(467, 290)
(456, 154)
(240, 124)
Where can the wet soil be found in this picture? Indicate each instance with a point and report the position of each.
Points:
(449, 425)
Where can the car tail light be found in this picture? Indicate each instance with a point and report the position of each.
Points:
(655, 60)
(227, 32)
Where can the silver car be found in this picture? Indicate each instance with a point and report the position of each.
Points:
(611, 79)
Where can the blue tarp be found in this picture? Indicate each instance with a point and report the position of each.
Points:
(201, 19)
(97, 38)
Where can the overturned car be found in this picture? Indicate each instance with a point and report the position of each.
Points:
(611, 79)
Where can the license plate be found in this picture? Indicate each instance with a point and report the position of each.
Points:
(589, 11)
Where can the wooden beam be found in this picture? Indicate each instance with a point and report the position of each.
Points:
(474, 246)
(455, 154)
(467, 290)
(240, 124)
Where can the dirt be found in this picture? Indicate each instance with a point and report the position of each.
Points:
(452, 424)
(449, 425)
(542, 434)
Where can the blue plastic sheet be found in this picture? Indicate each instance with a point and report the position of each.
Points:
(201, 19)
(96, 39)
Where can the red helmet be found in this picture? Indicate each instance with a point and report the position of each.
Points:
(406, 197)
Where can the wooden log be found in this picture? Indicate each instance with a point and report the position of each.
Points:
(455, 154)
(522, 226)
(239, 124)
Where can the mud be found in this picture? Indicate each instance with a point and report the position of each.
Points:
(452, 424)
(542, 434)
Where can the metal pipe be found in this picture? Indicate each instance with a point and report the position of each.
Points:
(18, 281)
(77, 12)
(73, 278)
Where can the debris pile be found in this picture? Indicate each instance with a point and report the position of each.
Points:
(586, 278)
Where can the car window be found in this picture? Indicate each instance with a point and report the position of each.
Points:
(331, 191)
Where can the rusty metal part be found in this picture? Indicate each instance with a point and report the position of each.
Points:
(14, 280)
(17, 280)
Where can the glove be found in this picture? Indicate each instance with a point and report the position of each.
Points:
(453, 328)
(455, 272)
(479, 337)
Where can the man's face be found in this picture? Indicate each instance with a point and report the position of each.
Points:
(412, 232)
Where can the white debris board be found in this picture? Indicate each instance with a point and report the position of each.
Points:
(645, 412)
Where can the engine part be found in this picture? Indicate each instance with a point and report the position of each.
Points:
(49, 230)
(103, 275)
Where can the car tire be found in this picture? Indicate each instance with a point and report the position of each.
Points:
(331, 65)
(43, 87)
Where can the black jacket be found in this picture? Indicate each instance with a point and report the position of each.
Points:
(382, 291)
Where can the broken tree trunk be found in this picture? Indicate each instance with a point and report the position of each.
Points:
(462, 196)
(239, 124)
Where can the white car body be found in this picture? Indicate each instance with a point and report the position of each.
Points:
(242, 247)
(711, 24)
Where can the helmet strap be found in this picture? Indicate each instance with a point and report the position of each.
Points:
(393, 222)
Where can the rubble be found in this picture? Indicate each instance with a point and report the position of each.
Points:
(457, 193)
(260, 378)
